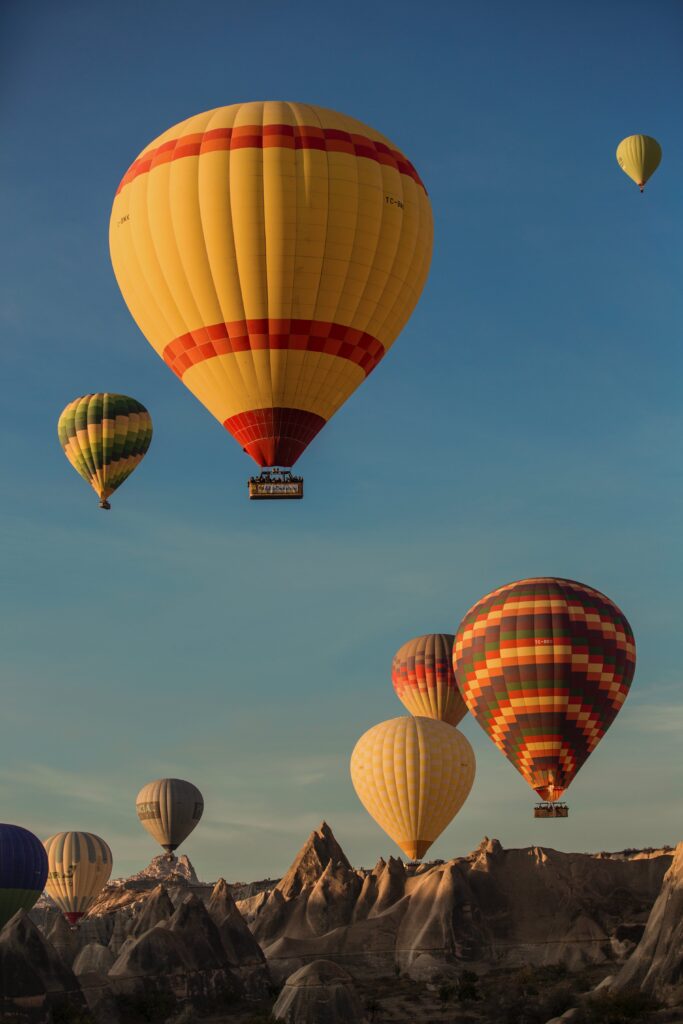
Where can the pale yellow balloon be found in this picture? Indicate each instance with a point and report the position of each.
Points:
(639, 156)
(413, 775)
(169, 809)
(79, 866)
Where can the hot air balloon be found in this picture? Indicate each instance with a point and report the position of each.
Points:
(169, 809)
(422, 674)
(412, 775)
(270, 253)
(23, 870)
(79, 866)
(544, 666)
(104, 437)
(639, 156)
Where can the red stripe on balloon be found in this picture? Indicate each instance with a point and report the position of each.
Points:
(274, 437)
(329, 140)
(293, 335)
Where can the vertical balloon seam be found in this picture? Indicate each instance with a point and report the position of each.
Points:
(307, 158)
(377, 792)
(107, 427)
(212, 367)
(385, 329)
(410, 766)
(433, 694)
(433, 767)
(84, 449)
(259, 401)
(426, 255)
(262, 366)
(279, 150)
(323, 378)
(97, 408)
(396, 781)
(190, 309)
(404, 767)
(154, 309)
(288, 312)
(388, 785)
(141, 233)
(221, 373)
(353, 318)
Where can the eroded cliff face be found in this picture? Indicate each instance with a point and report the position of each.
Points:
(495, 906)
(187, 948)
(656, 965)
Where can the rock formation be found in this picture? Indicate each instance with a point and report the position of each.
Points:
(320, 849)
(32, 974)
(319, 993)
(62, 937)
(497, 907)
(177, 876)
(164, 936)
(155, 909)
(656, 965)
(181, 958)
(93, 959)
(243, 952)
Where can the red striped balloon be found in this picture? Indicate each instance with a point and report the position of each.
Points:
(544, 665)
(423, 678)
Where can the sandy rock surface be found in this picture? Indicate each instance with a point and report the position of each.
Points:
(319, 993)
(656, 964)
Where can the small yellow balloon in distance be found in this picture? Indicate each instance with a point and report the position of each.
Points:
(412, 775)
(79, 866)
(639, 156)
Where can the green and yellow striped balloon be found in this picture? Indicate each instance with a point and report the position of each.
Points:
(104, 437)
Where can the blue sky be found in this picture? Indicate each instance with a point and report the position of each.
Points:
(527, 421)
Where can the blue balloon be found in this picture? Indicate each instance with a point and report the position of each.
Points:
(23, 870)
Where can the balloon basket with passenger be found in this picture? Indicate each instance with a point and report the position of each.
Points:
(551, 810)
(275, 484)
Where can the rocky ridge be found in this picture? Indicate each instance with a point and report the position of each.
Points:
(656, 965)
(495, 906)
(164, 935)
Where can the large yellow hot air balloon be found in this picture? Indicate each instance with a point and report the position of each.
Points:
(79, 865)
(413, 775)
(169, 809)
(639, 156)
(271, 252)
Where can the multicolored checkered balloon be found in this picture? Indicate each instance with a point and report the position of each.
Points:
(544, 665)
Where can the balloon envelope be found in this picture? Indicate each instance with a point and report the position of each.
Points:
(412, 775)
(544, 666)
(639, 156)
(23, 870)
(169, 809)
(79, 866)
(105, 437)
(423, 678)
(271, 252)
